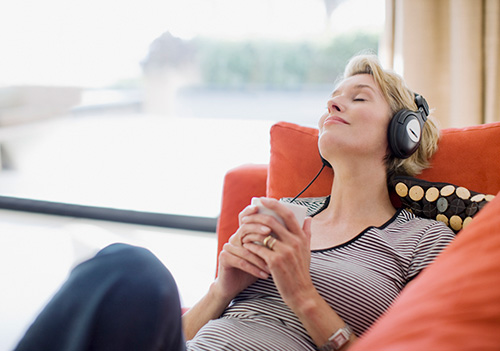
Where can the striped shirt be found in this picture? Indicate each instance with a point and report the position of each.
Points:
(358, 279)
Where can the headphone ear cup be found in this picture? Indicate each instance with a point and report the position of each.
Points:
(392, 132)
(404, 133)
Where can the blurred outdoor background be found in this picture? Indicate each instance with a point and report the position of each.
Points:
(144, 105)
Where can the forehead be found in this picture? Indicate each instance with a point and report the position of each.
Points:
(358, 82)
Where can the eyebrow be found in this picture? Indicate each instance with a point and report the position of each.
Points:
(356, 87)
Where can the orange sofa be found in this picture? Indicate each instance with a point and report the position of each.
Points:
(455, 303)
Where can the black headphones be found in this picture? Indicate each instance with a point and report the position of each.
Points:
(405, 130)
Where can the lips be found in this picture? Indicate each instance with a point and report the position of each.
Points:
(335, 120)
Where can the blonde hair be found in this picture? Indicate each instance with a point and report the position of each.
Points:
(399, 97)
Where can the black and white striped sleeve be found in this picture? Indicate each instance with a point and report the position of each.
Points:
(433, 241)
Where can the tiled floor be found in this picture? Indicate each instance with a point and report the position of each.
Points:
(37, 251)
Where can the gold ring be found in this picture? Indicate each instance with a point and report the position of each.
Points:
(269, 242)
(266, 240)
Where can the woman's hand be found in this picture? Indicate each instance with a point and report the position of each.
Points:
(239, 267)
(289, 259)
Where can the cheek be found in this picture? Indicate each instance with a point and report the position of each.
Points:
(379, 133)
(379, 122)
(374, 130)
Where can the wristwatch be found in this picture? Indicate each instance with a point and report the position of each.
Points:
(338, 339)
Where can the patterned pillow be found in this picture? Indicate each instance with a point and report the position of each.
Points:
(445, 202)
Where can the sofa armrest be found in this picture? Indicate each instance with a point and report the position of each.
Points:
(240, 185)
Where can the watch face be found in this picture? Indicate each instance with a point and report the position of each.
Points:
(339, 340)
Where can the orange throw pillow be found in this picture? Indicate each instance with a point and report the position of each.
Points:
(468, 157)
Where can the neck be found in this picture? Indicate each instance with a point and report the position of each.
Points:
(360, 195)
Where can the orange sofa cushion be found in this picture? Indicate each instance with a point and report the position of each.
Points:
(466, 157)
(240, 185)
(455, 303)
(294, 161)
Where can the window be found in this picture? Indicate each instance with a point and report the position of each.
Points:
(144, 105)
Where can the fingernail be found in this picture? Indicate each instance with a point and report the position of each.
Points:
(265, 229)
(264, 275)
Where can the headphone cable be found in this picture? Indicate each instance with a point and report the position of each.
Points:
(308, 185)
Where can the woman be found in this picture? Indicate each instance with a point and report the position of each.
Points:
(322, 285)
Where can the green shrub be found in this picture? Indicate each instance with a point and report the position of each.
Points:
(277, 64)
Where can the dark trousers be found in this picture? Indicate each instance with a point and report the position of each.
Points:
(122, 299)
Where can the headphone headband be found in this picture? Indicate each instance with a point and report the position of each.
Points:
(422, 106)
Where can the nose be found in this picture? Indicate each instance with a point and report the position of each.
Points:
(334, 104)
